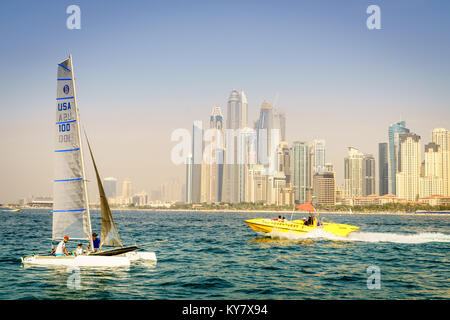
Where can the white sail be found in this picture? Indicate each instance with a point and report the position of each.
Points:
(70, 204)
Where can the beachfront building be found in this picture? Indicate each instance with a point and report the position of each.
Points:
(324, 188)
(441, 137)
(301, 173)
(407, 184)
(353, 175)
(234, 177)
(396, 131)
(212, 161)
(372, 200)
(431, 181)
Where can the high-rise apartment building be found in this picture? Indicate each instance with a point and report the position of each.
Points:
(300, 169)
(212, 163)
(284, 160)
(396, 131)
(237, 110)
(197, 158)
(431, 180)
(368, 175)
(234, 157)
(441, 137)
(110, 187)
(171, 191)
(354, 173)
(264, 127)
(126, 189)
(279, 122)
(325, 188)
(188, 182)
(318, 151)
(407, 180)
(257, 184)
(383, 168)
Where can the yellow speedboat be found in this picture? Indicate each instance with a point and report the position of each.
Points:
(302, 226)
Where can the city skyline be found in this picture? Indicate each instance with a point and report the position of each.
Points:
(340, 181)
(332, 77)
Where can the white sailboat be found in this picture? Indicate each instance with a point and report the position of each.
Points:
(71, 215)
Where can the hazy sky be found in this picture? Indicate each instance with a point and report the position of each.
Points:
(145, 68)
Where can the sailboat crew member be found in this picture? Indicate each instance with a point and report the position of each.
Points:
(61, 248)
(79, 250)
(96, 241)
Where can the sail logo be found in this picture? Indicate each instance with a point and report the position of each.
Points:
(64, 106)
(66, 89)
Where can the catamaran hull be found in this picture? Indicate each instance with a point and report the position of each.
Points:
(78, 261)
(141, 256)
(129, 253)
(265, 226)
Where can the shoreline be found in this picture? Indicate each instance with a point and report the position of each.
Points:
(279, 212)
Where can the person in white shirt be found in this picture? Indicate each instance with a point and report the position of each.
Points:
(79, 250)
(61, 248)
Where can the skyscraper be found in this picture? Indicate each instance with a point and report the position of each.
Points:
(368, 175)
(212, 164)
(301, 177)
(257, 184)
(234, 179)
(188, 182)
(325, 188)
(197, 157)
(237, 110)
(318, 148)
(396, 130)
(353, 178)
(171, 191)
(383, 168)
(246, 156)
(279, 122)
(126, 189)
(441, 137)
(110, 187)
(431, 181)
(284, 160)
(410, 162)
(264, 127)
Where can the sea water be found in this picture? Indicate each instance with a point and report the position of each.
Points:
(215, 255)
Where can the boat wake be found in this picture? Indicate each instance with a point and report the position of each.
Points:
(374, 237)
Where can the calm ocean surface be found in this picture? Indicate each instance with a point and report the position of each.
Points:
(215, 255)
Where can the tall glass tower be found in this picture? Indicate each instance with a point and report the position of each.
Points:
(237, 110)
(197, 155)
(110, 186)
(212, 164)
(383, 168)
(318, 156)
(396, 131)
(301, 177)
(279, 122)
(368, 175)
(264, 128)
(234, 180)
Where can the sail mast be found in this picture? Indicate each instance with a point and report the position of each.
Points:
(88, 215)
